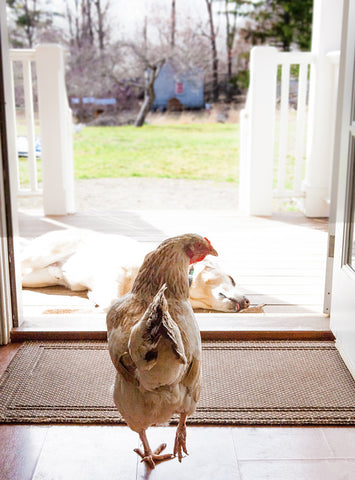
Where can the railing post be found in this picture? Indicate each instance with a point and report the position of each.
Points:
(258, 133)
(56, 132)
(326, 37)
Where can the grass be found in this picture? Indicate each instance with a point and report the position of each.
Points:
(188, 150)
(24, 176)
(194, 151)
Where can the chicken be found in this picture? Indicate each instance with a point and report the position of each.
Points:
(155, 344)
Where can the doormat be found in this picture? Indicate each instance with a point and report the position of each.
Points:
(244, 383)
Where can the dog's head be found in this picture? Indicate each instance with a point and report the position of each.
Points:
(212, 288)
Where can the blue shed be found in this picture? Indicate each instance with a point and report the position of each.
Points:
(187, 87)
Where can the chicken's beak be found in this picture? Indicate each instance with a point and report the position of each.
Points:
(211, 250)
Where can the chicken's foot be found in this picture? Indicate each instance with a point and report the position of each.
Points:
(180, 438)
(148, 455)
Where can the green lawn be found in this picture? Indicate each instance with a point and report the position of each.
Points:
(193, 151)
(206, 151)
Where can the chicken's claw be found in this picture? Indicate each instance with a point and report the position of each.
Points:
(180, 442)
(151, 457)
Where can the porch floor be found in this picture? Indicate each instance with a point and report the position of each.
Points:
(277, 261)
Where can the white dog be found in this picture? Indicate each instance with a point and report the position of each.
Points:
(106, 265)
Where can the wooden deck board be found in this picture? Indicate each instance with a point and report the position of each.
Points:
(278, 261)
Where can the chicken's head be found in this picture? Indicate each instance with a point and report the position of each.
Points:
(198, 247)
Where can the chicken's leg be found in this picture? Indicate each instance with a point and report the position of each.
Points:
(148, 456)
(180, 438)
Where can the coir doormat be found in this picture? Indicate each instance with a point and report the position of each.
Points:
(244, 383)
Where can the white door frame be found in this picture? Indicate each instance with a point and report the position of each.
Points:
(6, 310)
(342, 318)
(10, 290)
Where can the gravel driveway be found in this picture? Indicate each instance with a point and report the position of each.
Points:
(147, 194)
(153, 193)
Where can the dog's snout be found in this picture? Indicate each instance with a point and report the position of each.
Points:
(245, 302)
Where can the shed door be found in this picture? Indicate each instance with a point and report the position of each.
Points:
(343, 293)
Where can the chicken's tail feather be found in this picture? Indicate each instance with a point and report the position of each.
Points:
(156, 347)
(160, 324)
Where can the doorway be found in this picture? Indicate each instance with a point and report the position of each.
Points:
(264, 254)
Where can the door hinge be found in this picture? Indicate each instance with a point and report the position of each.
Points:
(331, 244)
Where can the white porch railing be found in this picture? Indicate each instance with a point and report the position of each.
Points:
(55, 124)
(290, 171)
(274, 146)
(26, 58)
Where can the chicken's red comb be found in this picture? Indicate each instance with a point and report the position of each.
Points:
(209, 243)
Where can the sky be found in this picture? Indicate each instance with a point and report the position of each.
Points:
(129, 14)
(133, 11)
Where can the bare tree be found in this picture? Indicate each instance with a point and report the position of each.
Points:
(79, 23)
(151, 74)
(144, 63)
(143, 59)
(192, 50)
(231, 30)
(86, 16)
(102, 28)
(89, 61)
(212, 37)
(87, 25)
(173, 22)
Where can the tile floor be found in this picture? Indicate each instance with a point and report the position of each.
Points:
(239, 453)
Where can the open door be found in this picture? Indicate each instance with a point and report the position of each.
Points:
(10, 301)
(343, 292)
